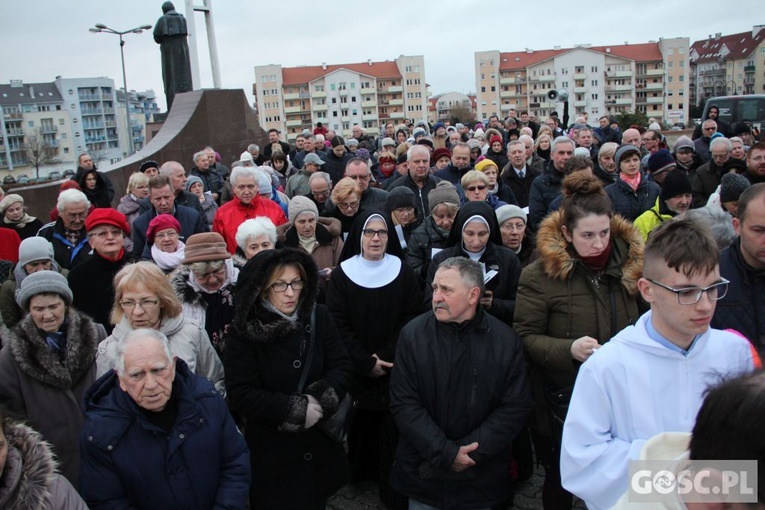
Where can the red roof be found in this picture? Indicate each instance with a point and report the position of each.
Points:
(638, 52)
(300, 75)
(739, 45)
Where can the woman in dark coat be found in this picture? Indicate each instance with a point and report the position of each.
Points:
(48, 362)
(371, 295)
(295, 465)
(94, 186)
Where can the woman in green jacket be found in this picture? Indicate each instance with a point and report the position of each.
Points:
(578, 294)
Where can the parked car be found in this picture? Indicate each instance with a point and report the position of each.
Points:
(54, 176)
(68, 174)
(9, 179)
(22, 179)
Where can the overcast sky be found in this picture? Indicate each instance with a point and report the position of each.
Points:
(45, 38)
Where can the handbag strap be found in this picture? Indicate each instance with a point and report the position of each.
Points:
(307, 364)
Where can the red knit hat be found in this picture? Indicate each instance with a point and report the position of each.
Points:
(107, 216)
(495, 138)
(162, 222)
(438, 154)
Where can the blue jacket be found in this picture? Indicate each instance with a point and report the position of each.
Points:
(743, 307)
(127, 462)
(631, 204)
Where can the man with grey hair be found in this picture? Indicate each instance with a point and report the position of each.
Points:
(533, 160)
(215, 165)
(247, 203)
(418, 178)
(321, 188)
(546, 187)
(309, 147)
(701, 144)
(211, 181)
(254, 150)
(459, 397)
(709, 175)
(67, 234)
(158, 436)
(518, 174)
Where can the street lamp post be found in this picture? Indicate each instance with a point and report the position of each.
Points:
(101, 28)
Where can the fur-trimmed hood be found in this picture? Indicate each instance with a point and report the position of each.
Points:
(36, 359)
(558, 263)
(252, 319)
(30, 469)
(183, 288)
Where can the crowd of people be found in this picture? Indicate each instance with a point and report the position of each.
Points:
(435, 309)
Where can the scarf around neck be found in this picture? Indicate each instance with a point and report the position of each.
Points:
(168, 261)
(23, 222)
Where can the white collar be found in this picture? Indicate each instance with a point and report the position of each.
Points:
(372, 274)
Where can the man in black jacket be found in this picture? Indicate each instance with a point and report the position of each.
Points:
(418, 178)
(86, 164)
(458, 396)
(177, 175)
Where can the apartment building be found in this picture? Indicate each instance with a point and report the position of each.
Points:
(440, 106)
(72, 115)
(728, 65)
(340, 96)
(601, 80)
(143, 107)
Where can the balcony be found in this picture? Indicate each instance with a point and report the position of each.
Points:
(92, 126)
(623, 101)
(580, 103)
(580, 90)
(92, 111)
(15, 132)
(294, 123)
(396, 102)
(89, 97)
(507, 80)
(713, 72)
(397, 115)
(322, 93)
(748, 69)
(291, 97)
(506, 107)
(580, 76)
(618, 88)
(618, 74)
(108, 109)
(369, 103)
(504, 94)
(654, 86)
(547, 78)
(13, 116)
(655, 72)
(654, 100)
(368, 90)
(293, 109)
(320, 108)
(371, 116)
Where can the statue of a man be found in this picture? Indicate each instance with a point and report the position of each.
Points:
(170, 33)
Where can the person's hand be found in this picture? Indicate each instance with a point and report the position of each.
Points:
(381, 367)
(215, 196)
(313, 412)
(463, 461)
(583, 348)
(487, 299)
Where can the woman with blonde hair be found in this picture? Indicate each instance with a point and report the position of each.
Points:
(542, 146)
(605, 168)
(346, 196)
(143, 298)
(137, 189)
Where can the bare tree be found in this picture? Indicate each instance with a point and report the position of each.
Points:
(38, 151)
(98, 153)
(461, 113)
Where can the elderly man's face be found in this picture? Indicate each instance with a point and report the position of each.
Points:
(357, 132)
(148, 375)
(203, 162)
(359, 172)
(453, 300)
(320, 190)
(74, 215)
(454, 138)
(419, 163)
(461, 157)
(246, 188)
(584, 137)
(163, 199)
(632, 137)
(720, 155)
(178, 178)
(709, 128)
(563, 152)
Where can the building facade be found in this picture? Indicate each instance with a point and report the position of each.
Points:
(65, 118)
(143, 107)
(601, 80)
(340, 96)
(728, 65)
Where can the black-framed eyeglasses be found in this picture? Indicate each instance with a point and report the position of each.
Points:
(692, 295)
(370, 232)
(282, 287)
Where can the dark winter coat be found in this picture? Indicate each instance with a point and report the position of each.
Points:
(66, 254)
(708, 177)
(631, 204)
(560, 299)
(452, 174)
(499, 158)
(46, 389)
(79, 178)
(504, 285)
(543, 191)
(335, 166)
(128, 462)
(293, 467)
(424, 240)
(98, 197)
(30, 480)
(28, 230)
(521, 187)
(184, 198)
(210, 179)
(455, 384)
(93, 288)
(743, 307)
